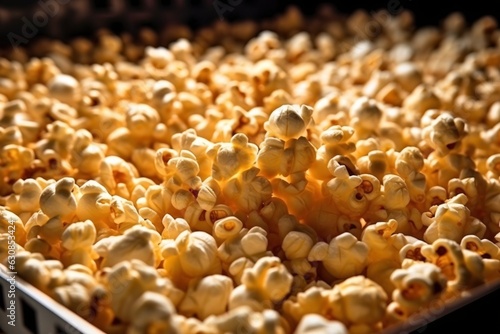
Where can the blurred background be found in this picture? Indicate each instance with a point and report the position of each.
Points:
(64, 19)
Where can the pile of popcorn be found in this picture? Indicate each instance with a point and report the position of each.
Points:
(265, 181)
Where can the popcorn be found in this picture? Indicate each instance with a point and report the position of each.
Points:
(417, 286)
(343, 189)
(76, 241)
(206, 188)
(243, 318)
(265, 283)
(312, 323)
(250, 243)
(289, 121)
(232, 158)
(489, 252)
(445, 133)
(94, 205)
(207, 297)
(365, 116)
(191, 255)
(127, 281)
(138, 242)
(248, 190)
(451, 220)
(462, 269)
(24, 198)
(343, 257)
(359, 303)
(12, 225)
(87, 155)
(396, 192)
(384, 247)
(141, 124)
(153, 312)
(64, 88)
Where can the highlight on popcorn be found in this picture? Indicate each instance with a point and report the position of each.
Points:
(265, 180)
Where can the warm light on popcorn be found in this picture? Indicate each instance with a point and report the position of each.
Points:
(274, 181)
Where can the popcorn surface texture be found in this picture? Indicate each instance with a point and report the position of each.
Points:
(287, 177)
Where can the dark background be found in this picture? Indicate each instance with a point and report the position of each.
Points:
(83, 16)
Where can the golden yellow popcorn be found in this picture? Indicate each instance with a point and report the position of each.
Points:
(250, 243)
(141, 122)
(289, 121)
(343, 257)
(128, 280)
(343, 189)
(265, 283)
(153, 312)
(191, 255)
(11, 224)
(64, 88)
(206, 297)
(312, 323)
(95, 205)
(445, 133)
(335, 141)
(87, 155)
(489, 252)
(245, 319)
(359, 303)
(247, 191)
(232, 158)
(34, 269)
(216, 183)
(76, 241)
(137, 242)
(462, 268)
(409, 163)
(117, 175)
(417, 286)
(365, 116)
(451, 220)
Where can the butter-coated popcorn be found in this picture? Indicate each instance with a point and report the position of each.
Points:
(266, 282)
(191, 255)
(244, 318)
(359, 303)
(417, 286)
(445, 133)
(247, 243)
(137, 242)
(248, 190)
(24, 197)
(86, 155)
(365, 116)
(489, 252)
(117, 175)
(258, 47)
(128, 280)
(396, 192)
(76, 241)
(312, 323)
(343, 189)
(462, 268)
(451, 220)
(232, 158)
(153, 312)
(299, 180)
(289, 121)
(206, 297)
(12, 225)
(343, 257)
